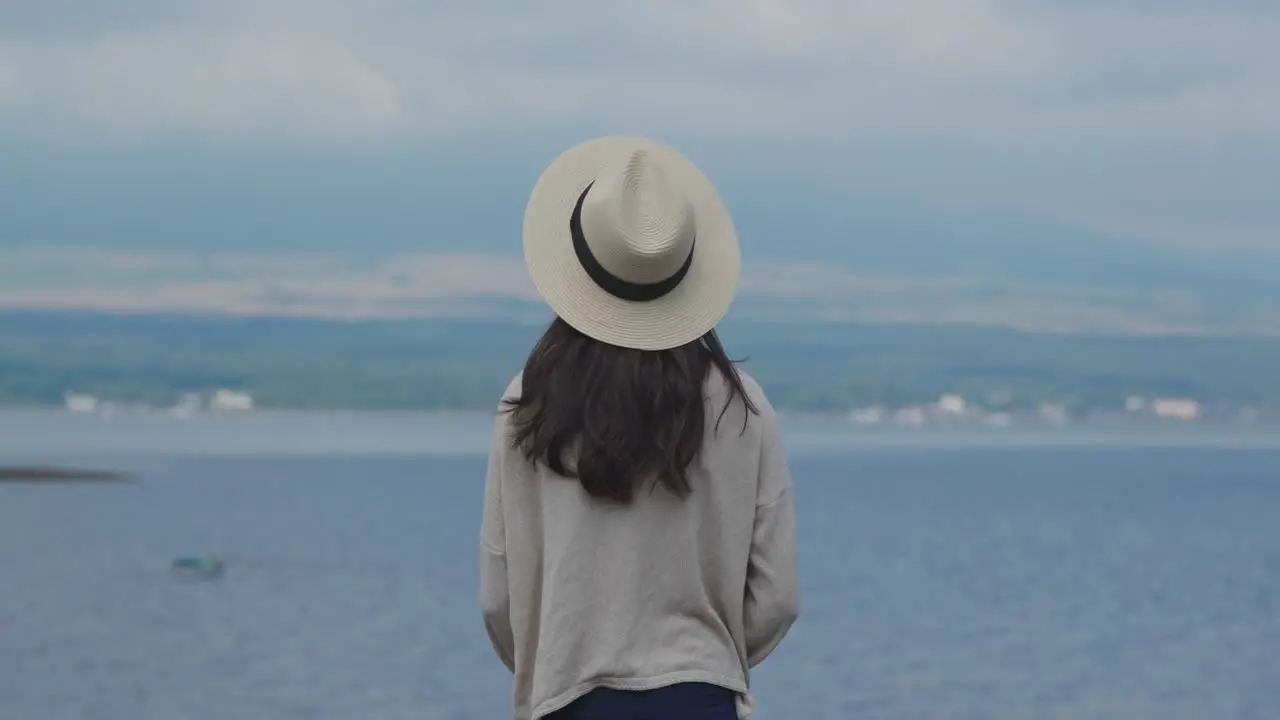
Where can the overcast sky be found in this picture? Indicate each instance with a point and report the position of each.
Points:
(359, 71)
(1032, 139)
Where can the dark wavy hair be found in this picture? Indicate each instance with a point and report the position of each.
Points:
(614, 418)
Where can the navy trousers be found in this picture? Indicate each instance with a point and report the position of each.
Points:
(685, 701)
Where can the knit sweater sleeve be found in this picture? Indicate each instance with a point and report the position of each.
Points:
(773, 592)
(495, 597)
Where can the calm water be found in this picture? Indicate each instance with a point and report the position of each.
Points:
(1013, 581)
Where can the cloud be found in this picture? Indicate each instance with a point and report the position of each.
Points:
(237, 81)
(462, 284)
(826, 69)
(1020, 127)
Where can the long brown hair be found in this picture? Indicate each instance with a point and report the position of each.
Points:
(624, 415)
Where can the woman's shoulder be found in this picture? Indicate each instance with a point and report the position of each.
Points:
(720, 387)
(754, 392)
(514, 387)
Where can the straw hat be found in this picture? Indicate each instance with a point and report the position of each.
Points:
(629, 243)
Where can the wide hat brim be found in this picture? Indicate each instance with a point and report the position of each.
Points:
(681, 316)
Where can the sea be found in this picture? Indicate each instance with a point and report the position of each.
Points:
(1003, 574)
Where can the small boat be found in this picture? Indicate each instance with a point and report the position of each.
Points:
(201, 568)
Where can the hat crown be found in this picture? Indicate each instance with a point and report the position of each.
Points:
(637, 223)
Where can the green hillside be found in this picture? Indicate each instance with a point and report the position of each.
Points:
(452, 364)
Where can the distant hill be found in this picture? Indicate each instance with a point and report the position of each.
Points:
(458, 363)
(900, 243)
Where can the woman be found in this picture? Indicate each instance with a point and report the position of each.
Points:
(638, 533)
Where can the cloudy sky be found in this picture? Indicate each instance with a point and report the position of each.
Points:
(1039, 162)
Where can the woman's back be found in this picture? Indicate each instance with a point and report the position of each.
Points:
(637, 596)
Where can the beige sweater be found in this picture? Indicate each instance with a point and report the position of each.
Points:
(578, 593)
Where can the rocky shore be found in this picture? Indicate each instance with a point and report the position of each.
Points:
(43, 474)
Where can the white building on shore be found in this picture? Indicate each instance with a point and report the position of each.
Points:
(952, 405)
(78, 403)
(1175, 408)
(230, 400)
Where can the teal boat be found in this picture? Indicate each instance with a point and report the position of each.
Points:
(201, 567)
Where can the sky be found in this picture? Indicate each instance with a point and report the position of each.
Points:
(1038, 163)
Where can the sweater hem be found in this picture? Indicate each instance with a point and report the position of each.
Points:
(561, 701)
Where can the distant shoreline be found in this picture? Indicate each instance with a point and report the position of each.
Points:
(440, 365)
(132, 441)
(1016, 422)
